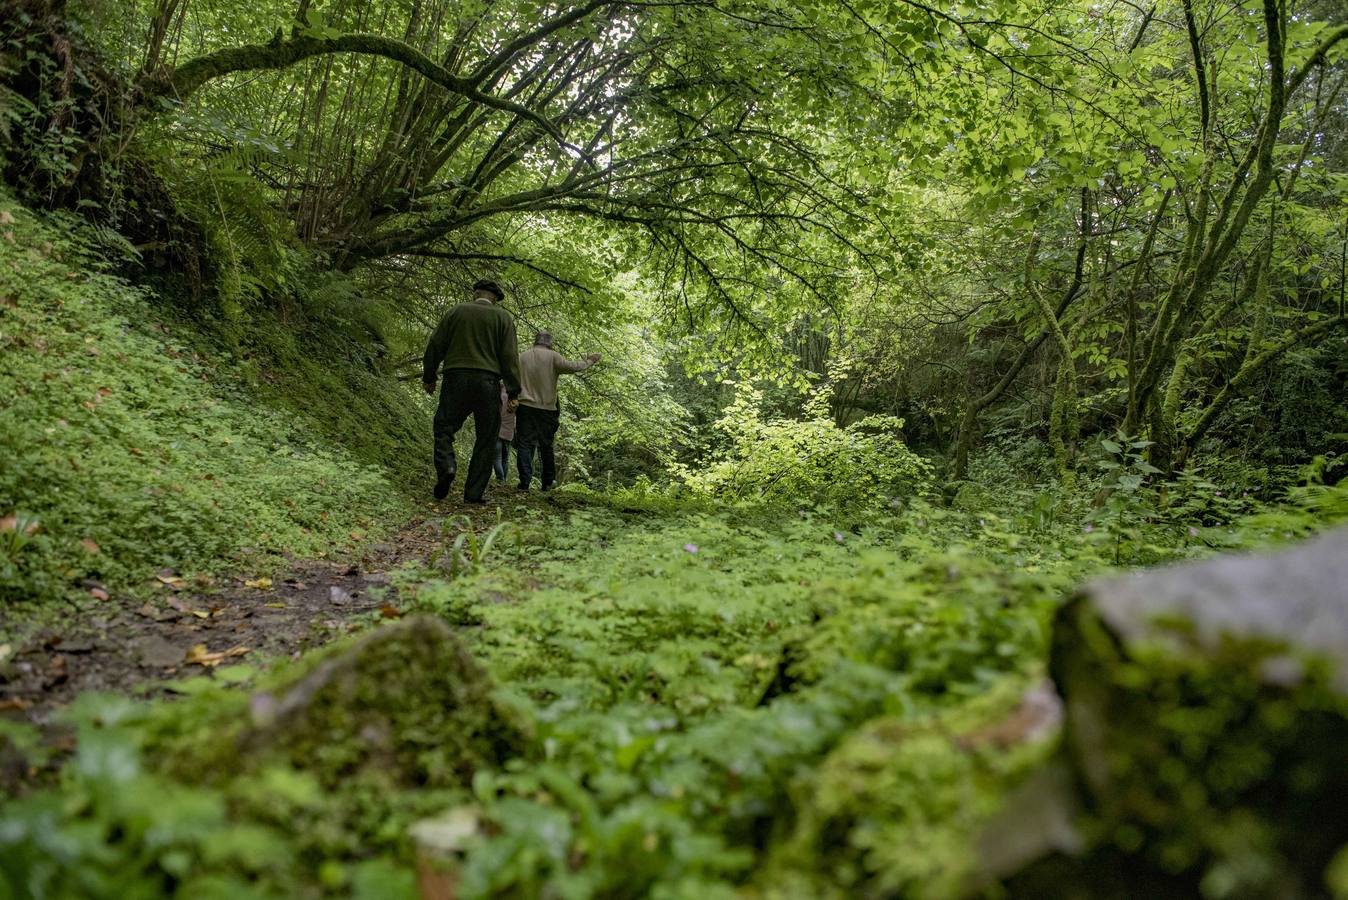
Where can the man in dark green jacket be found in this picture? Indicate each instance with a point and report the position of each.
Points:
(476, 343)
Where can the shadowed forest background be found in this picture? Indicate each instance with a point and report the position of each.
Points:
(914, 319)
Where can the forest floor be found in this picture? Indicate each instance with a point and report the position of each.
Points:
(156, 641)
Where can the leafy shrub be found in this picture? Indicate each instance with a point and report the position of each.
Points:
(807, 461)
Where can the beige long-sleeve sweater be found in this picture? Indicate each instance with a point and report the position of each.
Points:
(539, 368)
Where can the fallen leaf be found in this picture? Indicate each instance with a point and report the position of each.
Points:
(6, 217)
(89, 545)
(201, 614)
(15, 703)
(388, 611)
(262, 584)
(104, 392)
(5, 651)
(277, 605)
(98, 593)
(200, 656)
(169, 578)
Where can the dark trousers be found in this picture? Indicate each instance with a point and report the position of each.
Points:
(468, 392)
(535, 428)
(501, 464)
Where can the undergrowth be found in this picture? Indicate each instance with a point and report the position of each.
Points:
(756, 701)
(128, 448)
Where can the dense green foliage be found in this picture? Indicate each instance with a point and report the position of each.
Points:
(713, 697)
(912, 317)
(127, 449)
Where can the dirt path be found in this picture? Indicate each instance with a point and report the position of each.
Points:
(188, 628)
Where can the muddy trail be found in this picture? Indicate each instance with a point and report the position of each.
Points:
(178, 628)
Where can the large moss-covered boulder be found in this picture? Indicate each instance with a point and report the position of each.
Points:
(407, 699)
(1206, 729)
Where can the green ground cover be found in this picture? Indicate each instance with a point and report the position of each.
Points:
(132, 442)
(767, 702)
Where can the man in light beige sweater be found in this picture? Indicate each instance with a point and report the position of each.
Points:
(537, 416)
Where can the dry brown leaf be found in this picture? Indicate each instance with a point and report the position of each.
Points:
(15, 703)
(89, 545)
(6, 217)
(388, 611)
(200, 656)
(98, 593)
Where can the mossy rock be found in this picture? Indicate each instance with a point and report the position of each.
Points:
(407, 700)
(1206, 721)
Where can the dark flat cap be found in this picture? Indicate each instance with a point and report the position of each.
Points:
(484, 284)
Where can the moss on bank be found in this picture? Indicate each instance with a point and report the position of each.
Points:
(127, 449)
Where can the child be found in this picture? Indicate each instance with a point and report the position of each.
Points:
(507, 433)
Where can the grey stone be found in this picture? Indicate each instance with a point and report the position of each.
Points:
(158, 653)
(1297, 597)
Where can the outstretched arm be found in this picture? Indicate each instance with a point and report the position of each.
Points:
(571, 366)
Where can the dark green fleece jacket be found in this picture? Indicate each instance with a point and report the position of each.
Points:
(475, 335)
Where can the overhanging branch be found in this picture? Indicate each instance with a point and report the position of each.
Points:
(185, 80)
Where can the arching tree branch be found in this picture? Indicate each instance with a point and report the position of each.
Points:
(185, 80)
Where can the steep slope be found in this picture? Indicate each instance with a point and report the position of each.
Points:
(131, 442)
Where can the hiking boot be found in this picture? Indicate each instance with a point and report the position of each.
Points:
(442, 486)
